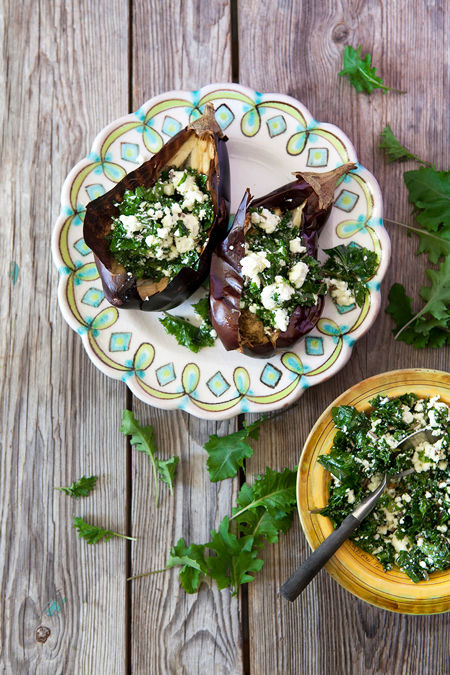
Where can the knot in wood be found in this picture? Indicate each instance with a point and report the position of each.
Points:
(42, 634)
(340, 32)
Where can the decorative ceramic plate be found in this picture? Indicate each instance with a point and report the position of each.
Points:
(358, 571)
(270, 135)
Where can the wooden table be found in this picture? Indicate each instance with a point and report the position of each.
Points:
(70, 67)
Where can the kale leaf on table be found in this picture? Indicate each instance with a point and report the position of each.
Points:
(394, 150)
(226, 454)
(361, 73)
(186, 333)
(429, 193)
(143, 440)
(264, 509)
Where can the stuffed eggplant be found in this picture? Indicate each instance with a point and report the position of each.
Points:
(153, 234)
(266, 285)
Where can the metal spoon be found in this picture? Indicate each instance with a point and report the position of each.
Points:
(304, 574)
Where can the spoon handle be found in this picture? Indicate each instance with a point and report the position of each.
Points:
(302, 576)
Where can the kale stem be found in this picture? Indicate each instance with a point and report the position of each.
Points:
(423, 311)
(146, 574)
(124, 536)
(155, 478)
(378, 85)
(253, 504)
(418, 230)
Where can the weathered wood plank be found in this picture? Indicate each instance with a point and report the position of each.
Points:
(175, 46)
(327, 630)
(59, 414)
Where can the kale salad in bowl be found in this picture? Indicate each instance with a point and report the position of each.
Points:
(399, 557)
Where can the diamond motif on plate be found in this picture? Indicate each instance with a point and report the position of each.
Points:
(93, 297)
(314, 346)
(130, 152)
(343, 309)
(346, 200)
(276, 126)
(218, 385)
(317, 157)
(270, 376)
(119, 342)
(165, 374)
(170, 126)
(224, 116)
(82, 247)
(94, 191)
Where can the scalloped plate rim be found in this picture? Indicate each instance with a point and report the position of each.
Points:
(174, 404)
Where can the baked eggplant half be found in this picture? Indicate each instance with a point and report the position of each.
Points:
(153, 234)
(266, 285)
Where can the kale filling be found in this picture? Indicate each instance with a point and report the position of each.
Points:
(276, 261)
(162, 229)
(280, 275)
(410, 525)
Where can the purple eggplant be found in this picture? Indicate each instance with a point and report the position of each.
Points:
(202, 146)
(239, 328)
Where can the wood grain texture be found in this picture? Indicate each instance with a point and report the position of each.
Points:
(59, 414)
(327, 630)
(180, 46)
(65, 71)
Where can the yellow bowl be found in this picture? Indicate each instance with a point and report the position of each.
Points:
(358, 571)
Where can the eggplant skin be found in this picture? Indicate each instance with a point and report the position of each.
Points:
(121, 288)
(227, 282)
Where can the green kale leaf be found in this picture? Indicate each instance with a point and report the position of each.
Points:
(430, 326)
(93, 534)
(226, 454)
(230, 558)
(188, 335)
(353, 264)
(143, 439)
(360, 72)
(80, 488)
(394, 150)
(429, 192)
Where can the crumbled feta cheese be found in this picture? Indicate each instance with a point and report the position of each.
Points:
(407, 415)
(253, 263)
(281, 319)
(150, 240)
(297, 274)
(390, 440)
(426, 455)
(130, 224)
(374, 482)
(295, 246)
(281, 289)
(266, 220)
(432, 418)
(184, 244)
(351, 496)
(169, 189)
(400, 544)
(191, 223)
(340, 291)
